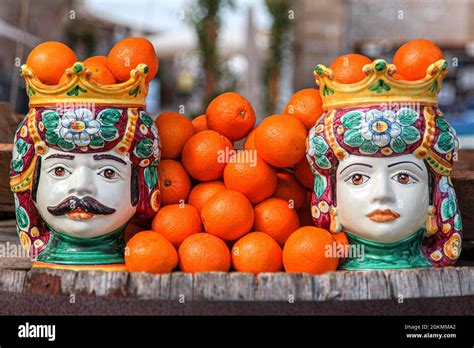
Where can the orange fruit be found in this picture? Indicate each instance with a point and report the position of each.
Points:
(175, 130)
(275, 218)
(128, 53)
(341, 240)
(176, 222)
(413, 58)
(205, 155)
(150, 252)
(304, 174)
(102, 60)
(49, 60)
(250, 176)
(200, 123)
(306, 105)
(290, 189)
(100, 74)
(256, 252)
(305, 251)
(398, 76)
(228, 215)
(280, 140)
(175, 183)
(231, 115)
(250, 140)
(203, 252)
(348, 68)
(201, 193)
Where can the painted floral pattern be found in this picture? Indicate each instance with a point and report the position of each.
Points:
(447, 140)
(317, 148)
(449, 205)
(375, 129)
(19, 151)
(78, 128)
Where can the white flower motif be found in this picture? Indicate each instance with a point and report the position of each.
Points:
(77, 126)
(380, 127)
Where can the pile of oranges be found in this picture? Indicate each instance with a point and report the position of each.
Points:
(49, 60)
(235, 196)
(247, 209)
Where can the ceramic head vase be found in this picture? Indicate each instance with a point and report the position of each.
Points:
(84, 163)
(382, 155)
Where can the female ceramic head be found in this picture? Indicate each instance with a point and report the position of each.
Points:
(382, 172)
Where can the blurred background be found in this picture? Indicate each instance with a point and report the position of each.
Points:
(263, 49)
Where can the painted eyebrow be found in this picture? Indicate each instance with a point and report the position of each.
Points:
(58, 155)
(110, 157)
(395, 164)
(356, 164)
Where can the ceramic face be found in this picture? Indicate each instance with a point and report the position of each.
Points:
(85, 195)
(382, 199)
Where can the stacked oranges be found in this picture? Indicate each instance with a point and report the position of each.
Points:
(49, 60)
(245, 209)
(248, 209)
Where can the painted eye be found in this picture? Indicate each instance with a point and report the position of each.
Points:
(109, 174)
(404, 178)
(358, 179)
(59, 172)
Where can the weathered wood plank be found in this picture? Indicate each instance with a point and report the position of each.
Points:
(450, 282)
(273, 287)
(210, 286)
(99, 283)
(12, 280)
(241, 286)
(355, 286)
(289, 287)
(328, 287)
(378, 287)
(429, 282)
(219, 286)
(302, 286)
(466, 278)
(181, 287)
(403, 284)
(50, 281)
(224, 286)
(149, 286)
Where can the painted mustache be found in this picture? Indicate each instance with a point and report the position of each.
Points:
(380, 215)
(86, 206)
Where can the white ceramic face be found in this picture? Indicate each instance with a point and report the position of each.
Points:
(102, 177)
(382, 199)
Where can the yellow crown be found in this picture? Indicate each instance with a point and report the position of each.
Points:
(80, 88)
(379, 86)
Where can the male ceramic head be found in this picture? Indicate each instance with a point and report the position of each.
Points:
(84, 172)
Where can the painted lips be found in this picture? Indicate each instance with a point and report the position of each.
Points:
(79, 214)
(380, 215)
